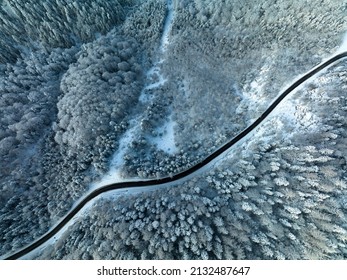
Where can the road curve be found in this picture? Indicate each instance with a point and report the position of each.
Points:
(165, 180)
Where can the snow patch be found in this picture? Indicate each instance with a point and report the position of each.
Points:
(154, 80)
(167, 27)
(253, 96)
(154, 77)
(343, 46)
(113, 175)
(165, 140)
(255, 92)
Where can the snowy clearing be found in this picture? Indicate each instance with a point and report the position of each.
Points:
(343, 46)
(167, 27)
(165, 140)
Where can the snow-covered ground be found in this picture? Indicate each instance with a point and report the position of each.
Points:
(154, 77)
(254, 93)
(343, 46)
(155, 80)
(254, 97)
(113, 175)
(165, 140)
(165, 39)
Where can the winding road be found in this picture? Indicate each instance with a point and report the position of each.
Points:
(183, 175)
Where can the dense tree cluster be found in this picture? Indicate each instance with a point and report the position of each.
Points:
(98, 92)
(239, 28)
(279, 195)
(62, 111)
(29, 93)
(146, 23)
(60, 23)
(30, 90)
